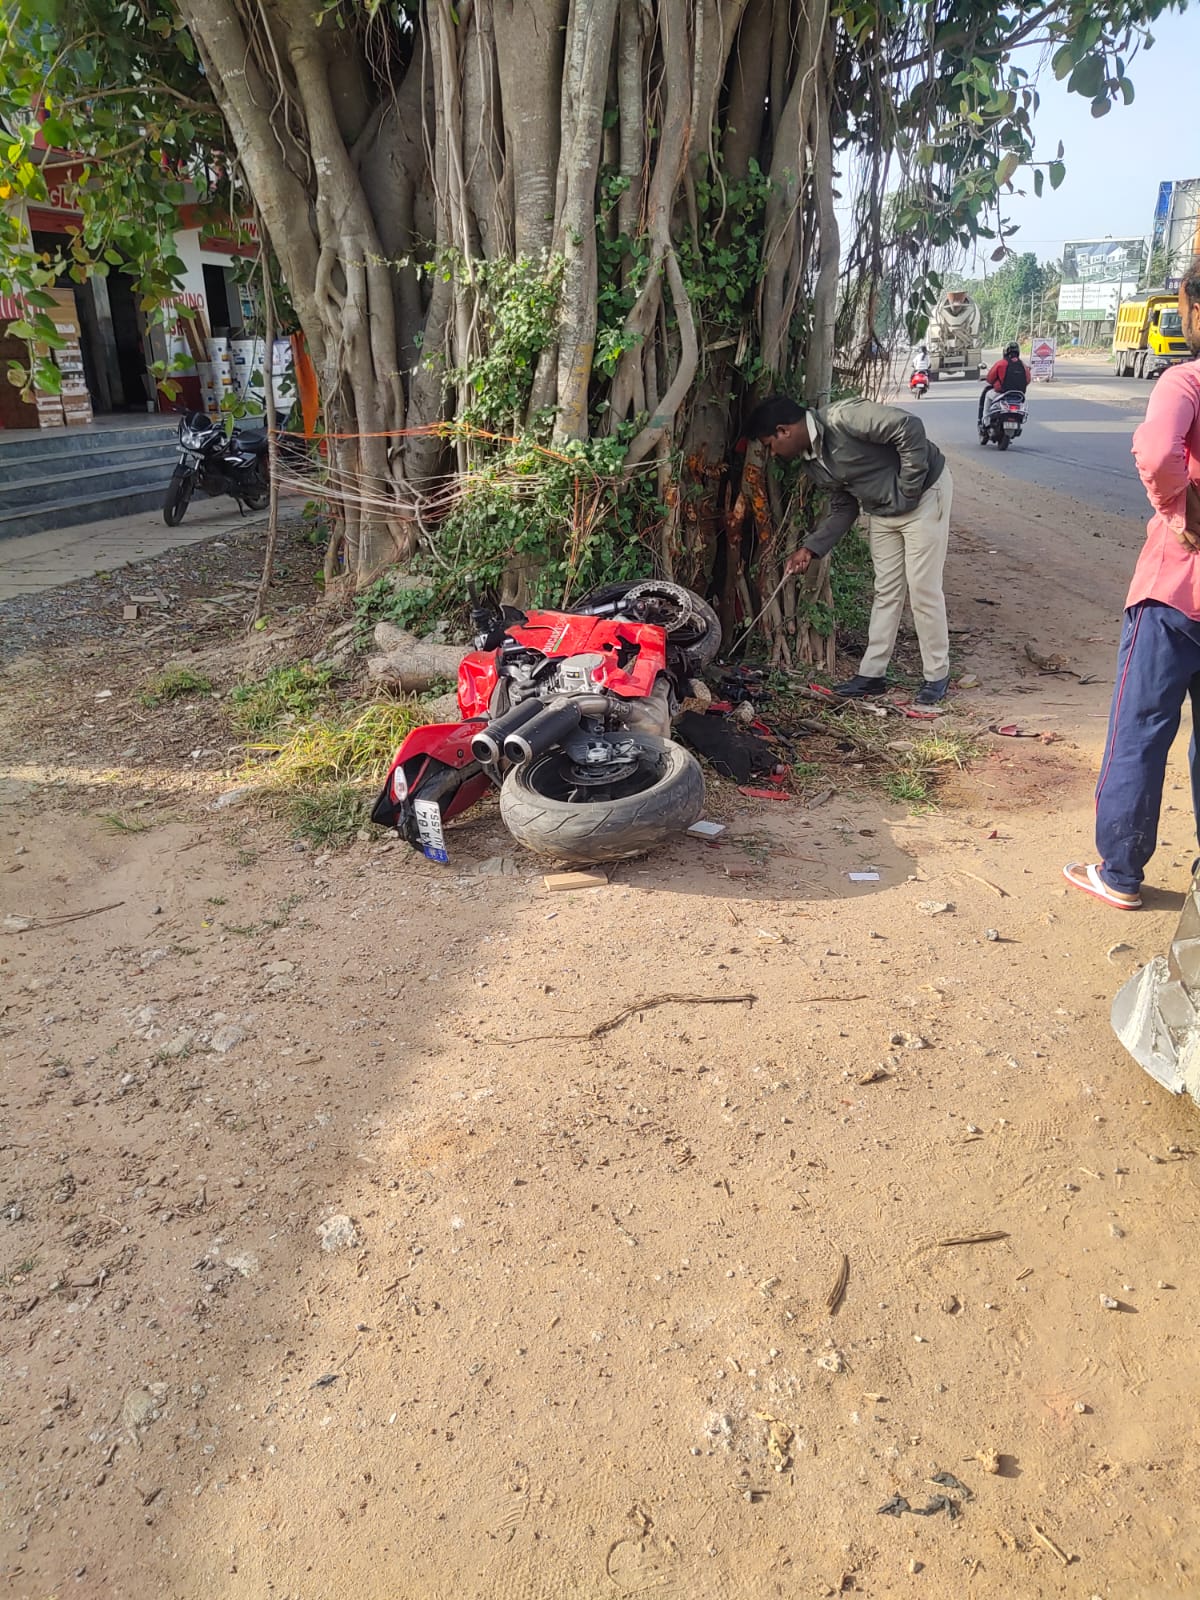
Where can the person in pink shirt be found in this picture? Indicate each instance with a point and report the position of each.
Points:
(1158, 665)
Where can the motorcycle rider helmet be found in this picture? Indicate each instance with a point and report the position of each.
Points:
(1012, 352)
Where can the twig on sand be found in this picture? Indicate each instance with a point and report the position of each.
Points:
(838, 1293)
(975, 878)
(66, 916)
(602, 1028)
(972, 1238)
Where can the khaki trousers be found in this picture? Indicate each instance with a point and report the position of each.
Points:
(908, 553)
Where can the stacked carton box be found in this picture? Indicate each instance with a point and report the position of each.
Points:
(73, 405)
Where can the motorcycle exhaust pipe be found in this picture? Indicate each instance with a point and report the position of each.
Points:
(549, 728)
(487, 745)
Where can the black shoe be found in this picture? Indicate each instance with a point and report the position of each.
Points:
(930, 694)
(857, 687)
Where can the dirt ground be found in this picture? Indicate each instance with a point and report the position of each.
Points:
(569, 1330)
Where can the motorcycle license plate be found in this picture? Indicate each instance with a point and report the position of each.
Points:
(1011, 427)
(429, 830)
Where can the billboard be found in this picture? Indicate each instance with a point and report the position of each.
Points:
(1097, 274)
(1104, 261)
(1176, 237)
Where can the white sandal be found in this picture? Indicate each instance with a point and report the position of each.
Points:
(1087, 877)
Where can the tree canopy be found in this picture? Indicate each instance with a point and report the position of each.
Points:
(543, 251)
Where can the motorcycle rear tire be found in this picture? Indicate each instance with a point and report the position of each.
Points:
(587, 832)
(179, 496)
(706, 648)
(258, 499)
(1003, 442)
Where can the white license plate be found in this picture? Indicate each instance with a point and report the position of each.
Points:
(1011, 427)
(429, 829)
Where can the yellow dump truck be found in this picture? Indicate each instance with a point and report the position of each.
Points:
(1149, 335)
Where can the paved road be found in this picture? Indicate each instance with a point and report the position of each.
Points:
(1076, 440)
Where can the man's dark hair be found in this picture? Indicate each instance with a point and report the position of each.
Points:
(777, 411)
(1191, 282)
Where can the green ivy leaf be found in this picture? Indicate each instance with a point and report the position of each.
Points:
(1058, 172)
(1087, 78)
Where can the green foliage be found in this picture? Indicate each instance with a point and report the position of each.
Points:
(410, 608)
(1017, 296)
(565, 516)
(518, 308)
(122, 90)
(173, 684)
(286, 694)
(852, 579)
(329, 816)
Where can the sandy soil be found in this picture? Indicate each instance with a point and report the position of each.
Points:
(575, 1338)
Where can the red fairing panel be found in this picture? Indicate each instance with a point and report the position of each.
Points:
(444, 741)
(477, 679)
(642, 645)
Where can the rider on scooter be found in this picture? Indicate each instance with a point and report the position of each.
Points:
(1008, 375)
(919, 358)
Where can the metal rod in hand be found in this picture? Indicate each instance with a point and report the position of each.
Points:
(750, 626)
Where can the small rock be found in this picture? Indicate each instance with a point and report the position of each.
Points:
(232, 797)
(1116, 1230)
(15, 924)
(915, 1566)
(227, 1037)
(1109, 1304)
(21, 850)
(992, 935)
(244, 1264)
(935, 908)
(338, 1233)
(279, 985)
(180, 1044)
(143, 1406)
(989, 1460)
(833, 1361)
(1161, 1284)
(497, 867)
(969, 680)
(279, 969)
(951, 1305)
(1082, 1407)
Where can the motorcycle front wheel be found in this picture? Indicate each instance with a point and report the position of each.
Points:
(546, 811)
(258, 499)
(179, 496)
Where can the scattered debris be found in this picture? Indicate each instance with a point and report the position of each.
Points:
(935, 908)
(707, 830)
(975, 878)
(55, 922)
(338, 1233)
(636, 1009)
(558, 882)
(971, 1238)
(763, 794)
(875, 1075)
(947, 1480)
(1047, 1543)
(898, 1505)
(838, 1293)
(327, 1381)
(1119, 950)
(863, 877)
(497, 867)
(988, 1459)
(779, 1441)
(969, 680)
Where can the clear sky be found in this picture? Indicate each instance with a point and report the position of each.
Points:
(1114, 163)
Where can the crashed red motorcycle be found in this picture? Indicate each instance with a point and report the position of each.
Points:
(568, 714)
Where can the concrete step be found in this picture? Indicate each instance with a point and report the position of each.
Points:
(34, 477)
(140, 495)
(110, 473)
(28, 453)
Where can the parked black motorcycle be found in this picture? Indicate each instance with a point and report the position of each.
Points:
(217, 463)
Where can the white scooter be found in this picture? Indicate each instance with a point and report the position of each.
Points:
(1004, 416)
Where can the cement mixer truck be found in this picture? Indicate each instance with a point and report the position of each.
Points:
(953, 337)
